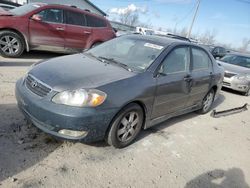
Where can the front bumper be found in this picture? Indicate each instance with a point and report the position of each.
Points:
(51, 118)
(235, 84)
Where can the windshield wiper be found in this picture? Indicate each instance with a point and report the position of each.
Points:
(90, 54)
(112, 60)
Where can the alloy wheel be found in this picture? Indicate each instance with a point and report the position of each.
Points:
(9, 44)
(208, 101)
(128, 126)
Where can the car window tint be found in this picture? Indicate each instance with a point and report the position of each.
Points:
(200, 59)
(241, 61)
(52, 15)
(75, 18)
(177, 61)
(95, 22)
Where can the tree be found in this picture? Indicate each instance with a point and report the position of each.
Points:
(130, 18)
(245, 45)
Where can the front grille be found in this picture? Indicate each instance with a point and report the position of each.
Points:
(226, 84)
(229, 74)
(36, 86)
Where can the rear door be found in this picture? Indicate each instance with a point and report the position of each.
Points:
(173, 83)
(201, 72)
(50, 30)
(77, 33)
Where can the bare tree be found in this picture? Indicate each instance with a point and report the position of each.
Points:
(208, 37)
(245, 45)
(130, 18)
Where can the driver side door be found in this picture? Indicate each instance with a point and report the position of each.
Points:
(49, 30)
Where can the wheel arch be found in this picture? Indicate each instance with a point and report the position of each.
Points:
(27, 48)
(139, 103)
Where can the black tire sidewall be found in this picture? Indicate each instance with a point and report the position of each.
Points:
(202, 111)
(112, 134)
(18, 38)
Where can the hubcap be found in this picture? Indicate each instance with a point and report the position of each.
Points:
(9, 44)
(127, 127)
(208, 101)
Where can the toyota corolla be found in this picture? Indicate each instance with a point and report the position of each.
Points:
(115, 90)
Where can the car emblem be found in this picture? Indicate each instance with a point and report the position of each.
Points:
(34, 84)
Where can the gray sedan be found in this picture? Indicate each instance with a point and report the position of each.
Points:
(116, 89)
(237, 72)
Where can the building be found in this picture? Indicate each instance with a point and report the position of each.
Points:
(82, 4)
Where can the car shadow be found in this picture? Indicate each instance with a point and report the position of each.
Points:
(28, 58)
(158, 129)
(232, 91)
(218, 178)
(22, 145)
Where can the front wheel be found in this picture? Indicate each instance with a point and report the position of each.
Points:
(11, 44)
(126, 126)
(207, 102)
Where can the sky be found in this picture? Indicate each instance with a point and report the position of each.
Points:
(228, 19)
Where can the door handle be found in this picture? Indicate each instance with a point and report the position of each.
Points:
(60, 29)
(188, 78)
(87, 32)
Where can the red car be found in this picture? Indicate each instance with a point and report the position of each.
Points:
(58, 28)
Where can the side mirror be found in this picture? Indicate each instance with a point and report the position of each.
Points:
(36, 17)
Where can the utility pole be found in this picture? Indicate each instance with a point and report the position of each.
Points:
(195, 14)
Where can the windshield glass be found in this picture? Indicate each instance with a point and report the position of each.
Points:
(25, 9)
(242, 61)
(136, 54)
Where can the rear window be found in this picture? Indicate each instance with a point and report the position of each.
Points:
(200, 59)
(25, 9)
(95, 22)
(75, 18)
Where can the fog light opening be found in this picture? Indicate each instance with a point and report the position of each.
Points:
(72, 133)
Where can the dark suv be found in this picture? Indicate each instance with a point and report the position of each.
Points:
(56, 28)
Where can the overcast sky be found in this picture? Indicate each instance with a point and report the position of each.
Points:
(230, 19)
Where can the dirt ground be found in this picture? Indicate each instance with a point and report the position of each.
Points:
(188, 151)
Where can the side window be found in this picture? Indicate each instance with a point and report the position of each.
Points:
(52, 15)
(75, 18)
(95, 22)
(201, 59)
(176, 61)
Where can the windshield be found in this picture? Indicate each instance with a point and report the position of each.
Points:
(136, 54)
(25, 9)
(242, 61)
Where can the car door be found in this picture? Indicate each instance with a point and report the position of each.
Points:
(46, 28)
(201, 72)
(77, 33)
(173, 83)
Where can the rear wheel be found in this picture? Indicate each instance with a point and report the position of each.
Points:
(126, 126)
(207, 102)
(11, 44)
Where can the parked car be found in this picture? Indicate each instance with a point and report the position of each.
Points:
(217, 51)
(7, 5)
(58, 28)
(116, 89)
(237, 72)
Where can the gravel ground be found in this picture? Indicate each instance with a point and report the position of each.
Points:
(188, 151)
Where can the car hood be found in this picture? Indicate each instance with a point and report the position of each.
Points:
(77, 71)
(5, 12)
(234, 68)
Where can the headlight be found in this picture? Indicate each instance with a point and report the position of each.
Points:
(243, 77)
(80, 98)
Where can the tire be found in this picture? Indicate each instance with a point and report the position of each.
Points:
(11, 44)
(207, 102)
(125, 126)
(95, 44)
